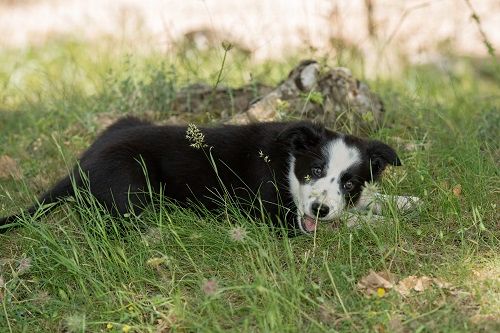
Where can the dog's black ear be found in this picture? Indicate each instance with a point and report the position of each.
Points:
(302, 136)
(380, 156)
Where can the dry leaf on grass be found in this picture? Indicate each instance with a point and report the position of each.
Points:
(419, 284)
(412, 282)
(442, 284)
(377, 283)
(374, 281)
(9, 168)
(457, 190)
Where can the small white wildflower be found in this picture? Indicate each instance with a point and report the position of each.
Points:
(195, 235)
(210, 287)
(307, 178)
(152, 237)
(266, 158)
(371, 188)
(24, 265)
(238, 234)
(42, 297)
(195, 136)
(156, 262)
(76, 323)
(227, 46)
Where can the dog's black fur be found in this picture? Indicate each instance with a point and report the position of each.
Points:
(245, 162)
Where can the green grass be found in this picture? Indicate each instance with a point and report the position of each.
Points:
(76, 270)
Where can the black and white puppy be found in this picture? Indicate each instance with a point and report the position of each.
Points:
(295, 173)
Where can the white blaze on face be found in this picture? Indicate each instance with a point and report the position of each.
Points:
(326, 190)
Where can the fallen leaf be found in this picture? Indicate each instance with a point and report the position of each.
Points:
(423, 283)
(379, 283)
(9, 168)
(210, 287)
(419, 284)
(371, 283)
(405, 286)
(442, 284)
(457, 190)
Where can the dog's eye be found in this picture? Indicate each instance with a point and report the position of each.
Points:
(348, 185)
(316, 171)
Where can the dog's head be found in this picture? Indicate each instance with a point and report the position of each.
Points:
(327, 170)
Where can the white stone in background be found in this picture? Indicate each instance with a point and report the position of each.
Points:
(309, 76)
(373, 206)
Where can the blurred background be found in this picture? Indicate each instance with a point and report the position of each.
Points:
(386, 33)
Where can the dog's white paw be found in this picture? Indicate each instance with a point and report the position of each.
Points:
(378, 203)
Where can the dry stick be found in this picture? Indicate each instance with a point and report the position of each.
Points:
(486, 41)
(227, 47)
(369, 18)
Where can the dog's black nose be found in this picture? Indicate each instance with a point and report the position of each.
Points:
(319, 209)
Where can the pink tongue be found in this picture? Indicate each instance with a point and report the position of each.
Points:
(309, 223)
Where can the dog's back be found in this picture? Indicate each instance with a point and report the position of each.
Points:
(133, 157)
